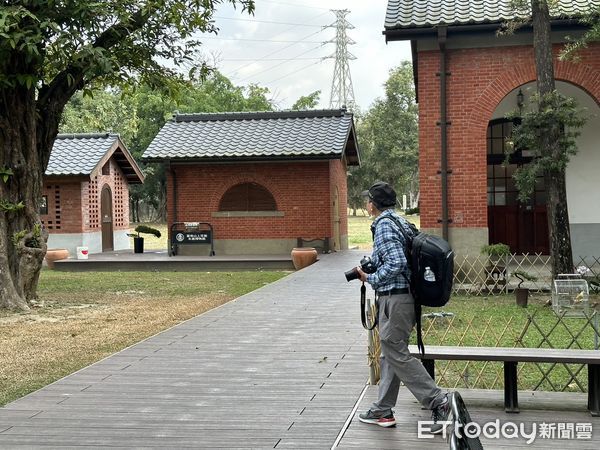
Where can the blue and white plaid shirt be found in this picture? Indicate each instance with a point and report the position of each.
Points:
(388, 254)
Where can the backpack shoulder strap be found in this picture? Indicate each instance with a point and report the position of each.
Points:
(418, 308)
(398, 223)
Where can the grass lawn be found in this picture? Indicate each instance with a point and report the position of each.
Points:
(150, 241)
(359, 229)
(359, 232)
(85, 317)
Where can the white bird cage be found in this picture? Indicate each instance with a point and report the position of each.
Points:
(570, 296)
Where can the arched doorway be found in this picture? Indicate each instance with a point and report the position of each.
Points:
(521, 225)
(581, 176)
(106, 212)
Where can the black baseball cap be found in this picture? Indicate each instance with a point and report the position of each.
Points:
(381, 194)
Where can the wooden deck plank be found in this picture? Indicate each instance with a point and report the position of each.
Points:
(574, 356)
(484, 406)
(247, 374)
(280, 367)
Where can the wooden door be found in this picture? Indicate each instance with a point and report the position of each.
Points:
(106, 213)
(336, 221)
(522, 226)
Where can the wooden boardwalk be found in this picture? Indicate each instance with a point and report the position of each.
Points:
(485, 406)
(281, 367)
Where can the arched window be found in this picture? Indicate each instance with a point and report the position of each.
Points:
(247, 197)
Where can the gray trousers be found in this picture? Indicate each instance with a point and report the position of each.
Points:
(396, 320)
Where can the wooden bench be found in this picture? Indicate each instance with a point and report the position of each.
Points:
(511, 357)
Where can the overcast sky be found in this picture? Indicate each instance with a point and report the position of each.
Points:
(294, 67)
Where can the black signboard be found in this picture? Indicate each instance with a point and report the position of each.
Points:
(192, 237)
(185, 233)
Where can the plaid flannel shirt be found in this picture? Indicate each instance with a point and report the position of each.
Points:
(388, 254)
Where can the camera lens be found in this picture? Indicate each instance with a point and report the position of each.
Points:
(352, 274)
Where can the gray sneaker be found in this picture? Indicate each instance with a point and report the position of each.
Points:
(441, 413)
(372, 418)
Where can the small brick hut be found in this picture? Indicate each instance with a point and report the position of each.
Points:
(86, 192)
(468, 78)
(263, 180)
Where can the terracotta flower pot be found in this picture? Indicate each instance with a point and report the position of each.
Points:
(303, 257)
(54, 254)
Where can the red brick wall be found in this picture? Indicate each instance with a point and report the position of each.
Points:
(64, 204)
(91, 193)
(479, 80)
(339, 179)
(74, 202)
(301, 191)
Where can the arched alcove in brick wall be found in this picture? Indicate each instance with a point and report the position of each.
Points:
(480, 78)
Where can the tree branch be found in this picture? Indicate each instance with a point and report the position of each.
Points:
(67, 82)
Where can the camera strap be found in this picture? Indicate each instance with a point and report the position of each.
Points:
(366, 309)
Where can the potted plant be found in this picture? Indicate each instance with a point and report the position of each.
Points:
(495, 268)
(138, 241)
(522, 294)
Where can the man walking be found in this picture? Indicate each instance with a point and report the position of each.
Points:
(396, 317)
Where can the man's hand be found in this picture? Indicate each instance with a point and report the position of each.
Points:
(361, 275)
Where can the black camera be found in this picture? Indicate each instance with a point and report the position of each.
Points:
(367, 266)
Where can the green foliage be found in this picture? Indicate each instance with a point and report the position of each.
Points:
(551, 110)
(5, 173)
(117, 42)
(145, 229)
(103, 111)
(18, 236)
(571, 49)
(34, 241)
(7, 206)
(309, 101)
(495, 250)
(522, 276)
(139, 114)
(388, 139)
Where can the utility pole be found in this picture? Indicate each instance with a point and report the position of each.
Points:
(342, 92)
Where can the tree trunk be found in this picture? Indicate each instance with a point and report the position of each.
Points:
(22, 242)
(558, 213)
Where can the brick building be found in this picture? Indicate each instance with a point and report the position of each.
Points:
(459, 60)
(261, 179)
(86, 192)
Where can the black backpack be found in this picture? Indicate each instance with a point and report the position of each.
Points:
(431, 263)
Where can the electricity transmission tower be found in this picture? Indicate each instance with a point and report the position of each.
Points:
(342, 92)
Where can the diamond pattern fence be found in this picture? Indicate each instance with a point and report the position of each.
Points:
(482, 325)
(481, 275)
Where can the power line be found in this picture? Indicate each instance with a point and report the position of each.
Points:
(294, 72)
(266, 21)
(277, 65)
(287, 46)
(276, 51)
(259, 40)
(293, 4)
(270, 59)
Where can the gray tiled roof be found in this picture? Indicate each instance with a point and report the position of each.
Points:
(78, 154)
(278, 135)
(428, 13)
